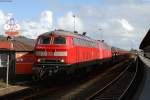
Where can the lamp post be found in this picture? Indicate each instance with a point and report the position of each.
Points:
(7, 73)
(132, 44)
(101, 35)
(74, 16)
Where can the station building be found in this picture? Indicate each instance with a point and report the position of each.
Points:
(18, 56)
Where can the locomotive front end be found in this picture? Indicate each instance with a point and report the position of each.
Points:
(51, 55)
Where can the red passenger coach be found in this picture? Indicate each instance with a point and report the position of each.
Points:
(61, 50)
(24, 58)
(24, 63)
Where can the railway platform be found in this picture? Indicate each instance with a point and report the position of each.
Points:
(12, 89)
(144, 89)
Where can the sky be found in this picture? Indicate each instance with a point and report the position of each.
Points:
(121, 23)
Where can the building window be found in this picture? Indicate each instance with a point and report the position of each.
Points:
(3, 60)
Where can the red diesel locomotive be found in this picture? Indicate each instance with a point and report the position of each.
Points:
(64, 51)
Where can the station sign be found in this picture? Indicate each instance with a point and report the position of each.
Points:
(11, 27)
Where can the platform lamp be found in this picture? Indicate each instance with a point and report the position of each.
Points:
(101, 34)
(74, 16)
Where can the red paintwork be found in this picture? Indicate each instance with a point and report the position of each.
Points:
(5, 44)
(76, 53)
(24, 63)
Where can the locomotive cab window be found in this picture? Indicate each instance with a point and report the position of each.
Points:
(59, 40)
(44, 40)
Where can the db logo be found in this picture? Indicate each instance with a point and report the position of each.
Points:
(11, 27)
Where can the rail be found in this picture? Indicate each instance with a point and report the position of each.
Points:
(115, 80)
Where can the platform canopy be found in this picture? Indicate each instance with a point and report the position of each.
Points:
(15, 45)
(145, 44)
(5, 44)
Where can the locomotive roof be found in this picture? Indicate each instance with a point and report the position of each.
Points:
(69, 33)
(66, 33)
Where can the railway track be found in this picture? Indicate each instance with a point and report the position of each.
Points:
(85, 89)
(79, 89)
(118, 87)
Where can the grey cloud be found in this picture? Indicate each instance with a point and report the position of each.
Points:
(105, 18)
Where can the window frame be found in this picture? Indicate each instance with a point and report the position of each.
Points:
(5, 61)
(39, 40)
(59, 36)
(83, 42)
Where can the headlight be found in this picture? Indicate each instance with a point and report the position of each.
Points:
(62, 60)
(60, 53)
(38, 60)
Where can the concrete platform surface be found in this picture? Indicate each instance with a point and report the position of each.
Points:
(144, 89)
(11, 89)
(145, 60)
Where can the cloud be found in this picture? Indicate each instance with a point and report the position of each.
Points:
(32, 29)
(46, 19)
(118, 21)
(3, 19)
(124, 21)
(66, 22)
(125, 24)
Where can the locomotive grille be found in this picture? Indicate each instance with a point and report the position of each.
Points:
(44, 53)
(41, 53)
(50, 61)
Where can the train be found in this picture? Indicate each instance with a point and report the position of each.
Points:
(24, 62)
(64, 51)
